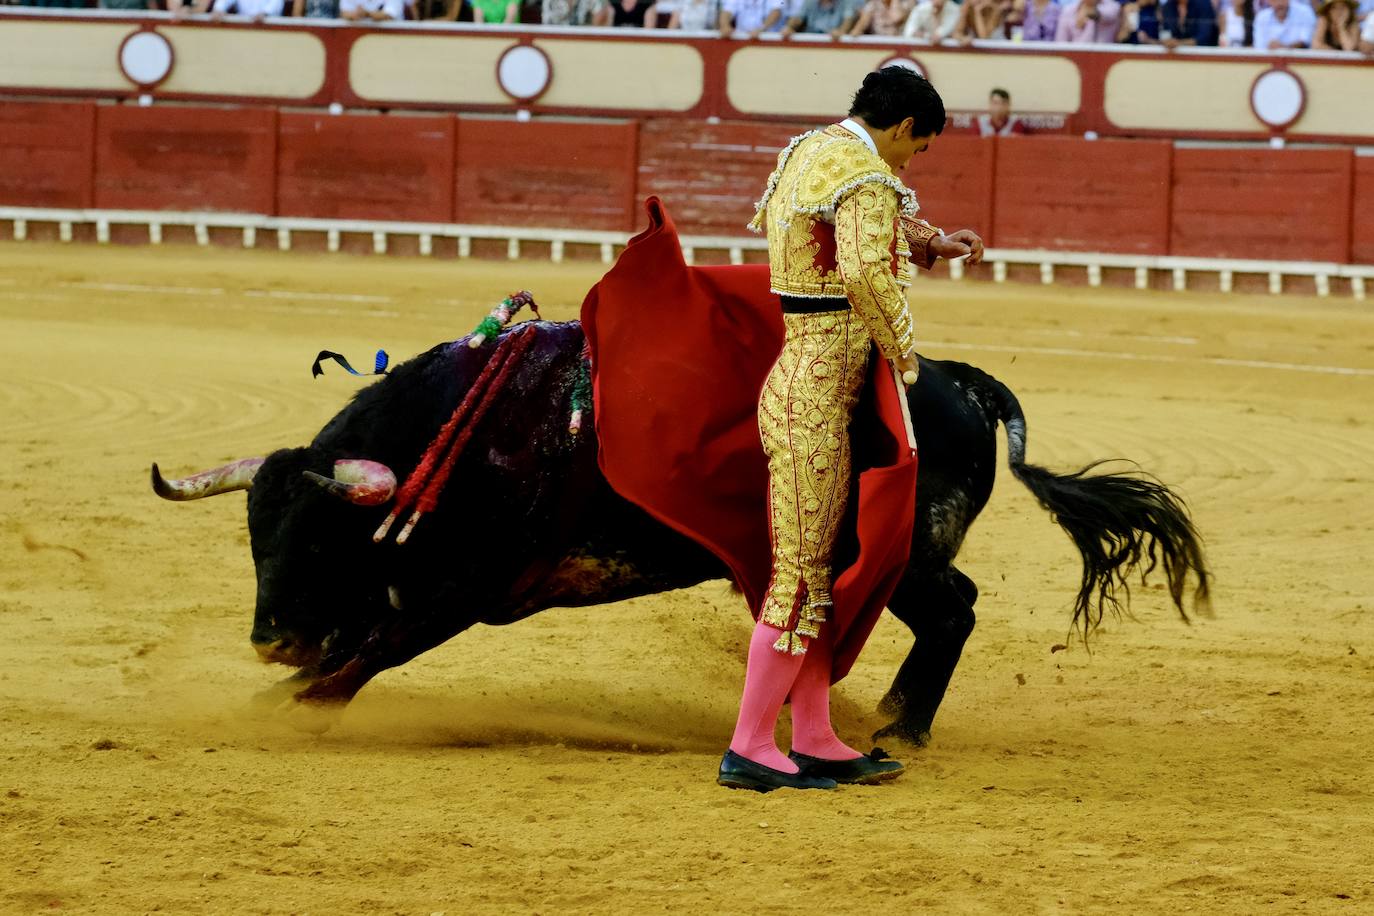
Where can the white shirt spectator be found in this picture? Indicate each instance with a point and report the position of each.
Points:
(393, 8)
(1296, 28)
(1231, 24)
(791, 9)
(694, 15)
(252, 8)
(925, 24)
(750, 14)
(1367, 33)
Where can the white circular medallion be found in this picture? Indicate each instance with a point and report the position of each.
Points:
(1278, 98)
(146, 58)
(906, 62)
(524, 72)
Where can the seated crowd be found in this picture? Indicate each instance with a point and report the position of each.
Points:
(1342, 25)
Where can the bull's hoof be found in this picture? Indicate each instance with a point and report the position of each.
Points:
(891, 706)
(313, 718)
(913, 735)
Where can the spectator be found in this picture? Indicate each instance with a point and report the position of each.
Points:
(1235, 18)
(821, 17)
(1140, 23)
(982, 19)
(882, 17)
(495, 12)
(1089, 22)
(1187, 22)
(1337, 27)
(371, 10)
(1367, 35)
(258, 10)
(634, 14)
(1037, 19)
(1366, 7)
(933, 21)
(752, 17)
(1284, 25)
(569, 12)
(315, 9)
(791, 9)
(694, 15)
(999, 121)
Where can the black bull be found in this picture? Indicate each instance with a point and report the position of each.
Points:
(527, 522)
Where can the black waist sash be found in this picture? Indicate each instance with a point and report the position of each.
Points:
(807, 305)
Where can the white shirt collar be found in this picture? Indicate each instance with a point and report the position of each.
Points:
(855, 128)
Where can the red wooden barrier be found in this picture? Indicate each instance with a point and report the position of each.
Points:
(45, 154)
(1362, 212)
(953, 183)
(1070, 194)
(186, 159)
(1288, 205)
(366, 167)
(1028, 192)
(559, 174)
(710, 175)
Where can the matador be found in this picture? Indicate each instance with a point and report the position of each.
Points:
(842, 238)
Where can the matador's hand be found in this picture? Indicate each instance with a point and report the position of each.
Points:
(958, 244)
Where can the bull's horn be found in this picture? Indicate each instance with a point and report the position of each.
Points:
(361, 482)
(236, 476)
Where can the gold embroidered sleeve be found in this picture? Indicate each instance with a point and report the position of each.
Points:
(919, 235)
(864, 227)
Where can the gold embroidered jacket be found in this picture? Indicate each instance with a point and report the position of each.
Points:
(840, 224)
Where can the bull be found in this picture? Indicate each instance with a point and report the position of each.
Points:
(530, 523)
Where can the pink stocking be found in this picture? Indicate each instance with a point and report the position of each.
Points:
(812, 733)
(766, 682)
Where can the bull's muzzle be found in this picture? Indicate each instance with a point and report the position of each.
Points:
(283, 650)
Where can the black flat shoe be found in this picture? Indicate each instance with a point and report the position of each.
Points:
(738, 772)
(875, 766)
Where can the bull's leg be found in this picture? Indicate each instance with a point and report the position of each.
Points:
(939, 611)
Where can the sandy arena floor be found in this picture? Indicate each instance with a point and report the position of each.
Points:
(559, 765)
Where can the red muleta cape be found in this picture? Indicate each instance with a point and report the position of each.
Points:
(679, 355)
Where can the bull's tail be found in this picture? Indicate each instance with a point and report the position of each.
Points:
(1123, 523)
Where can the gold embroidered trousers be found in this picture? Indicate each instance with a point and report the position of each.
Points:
(804, 414)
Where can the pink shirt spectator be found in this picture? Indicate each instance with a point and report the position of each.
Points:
(1090, 31)
(1011, 127)
(883, 17)
(1041, 19)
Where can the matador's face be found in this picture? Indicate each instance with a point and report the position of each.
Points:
(905, 143)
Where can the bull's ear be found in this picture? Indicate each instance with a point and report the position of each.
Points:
(358, 481)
